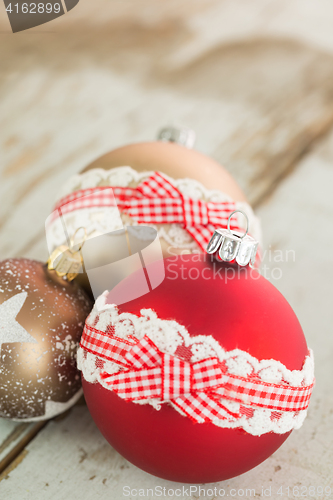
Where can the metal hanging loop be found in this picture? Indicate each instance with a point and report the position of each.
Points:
(234, 246)
(246, 218)
(180, 135)
(72, 240)
(67, 261)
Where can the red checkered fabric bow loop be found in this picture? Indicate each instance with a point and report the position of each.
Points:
(159, 375)
(156, 201)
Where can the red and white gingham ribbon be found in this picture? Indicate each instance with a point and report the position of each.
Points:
(195, 388)
(156, 201)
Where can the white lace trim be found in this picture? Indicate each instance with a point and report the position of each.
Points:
(168, 335)
(99, 221)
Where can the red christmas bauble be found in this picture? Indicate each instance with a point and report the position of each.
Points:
(241, 310)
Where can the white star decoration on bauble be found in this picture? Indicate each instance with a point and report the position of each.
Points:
(10, 329)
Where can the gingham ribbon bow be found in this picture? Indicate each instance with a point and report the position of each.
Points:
(156, 201)
(195, 388)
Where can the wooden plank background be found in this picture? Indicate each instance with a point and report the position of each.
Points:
(255, 80)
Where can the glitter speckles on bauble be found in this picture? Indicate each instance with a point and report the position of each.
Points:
(41, 321)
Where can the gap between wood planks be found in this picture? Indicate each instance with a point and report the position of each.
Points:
(18, 452)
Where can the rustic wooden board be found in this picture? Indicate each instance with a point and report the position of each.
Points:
(254, 79)
(81, 464)
(297, 222)
(258, 103)
(14, 438)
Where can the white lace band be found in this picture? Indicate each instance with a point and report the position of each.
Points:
(153, 361)
(96, 219)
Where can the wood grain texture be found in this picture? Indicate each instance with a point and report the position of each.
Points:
(13, 448)
(258, 104)
(78, 461)
(297, 226)
(255, 80)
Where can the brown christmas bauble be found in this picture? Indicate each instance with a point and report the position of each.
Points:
(195, 175)
(41, 322)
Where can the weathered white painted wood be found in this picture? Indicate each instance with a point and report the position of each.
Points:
(6, 428)
(70, 459)
(116, 74)
(305, 20)
(256, 101)
(297, 221)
